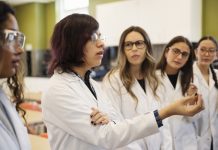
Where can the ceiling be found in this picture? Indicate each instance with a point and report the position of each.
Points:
(19, 2)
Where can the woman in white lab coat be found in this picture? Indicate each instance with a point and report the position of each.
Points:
(13, 134)
(77, 47)
(176, 74)
(206, 76)
(132, 84)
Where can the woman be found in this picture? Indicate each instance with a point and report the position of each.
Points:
(206, 75)
(132, 84)
(13, 133)
(77, 47)
(176, 74)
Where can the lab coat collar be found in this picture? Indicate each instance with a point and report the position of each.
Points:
(199, 74)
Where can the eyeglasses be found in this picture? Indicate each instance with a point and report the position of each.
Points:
(97, 36)
(177, 52)
(205, 50)
(139, 44)
(14, 37)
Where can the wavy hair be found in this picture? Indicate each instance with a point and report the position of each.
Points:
(15, 82)
(147, 68)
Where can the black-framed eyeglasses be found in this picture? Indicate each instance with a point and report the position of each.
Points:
(177, 52)
(139, 44)
(205, 50)
(14, 37)
(97, 36)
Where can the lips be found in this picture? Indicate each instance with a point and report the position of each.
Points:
(15, 62)
(100, 53)
(135, 56)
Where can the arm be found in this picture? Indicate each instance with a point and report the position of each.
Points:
(64, 109)
(188, 106)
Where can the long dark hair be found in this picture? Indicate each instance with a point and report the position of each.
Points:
(147, 68)
(186, 70)
(211, 66)
(68, 40)
(15, 82)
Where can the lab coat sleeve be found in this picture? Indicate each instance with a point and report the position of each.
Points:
(63, 108)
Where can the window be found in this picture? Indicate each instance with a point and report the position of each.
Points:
(67, 7)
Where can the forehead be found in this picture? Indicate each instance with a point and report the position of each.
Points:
(11, 22)
(182, 46)
(134, 36)
(207, 43)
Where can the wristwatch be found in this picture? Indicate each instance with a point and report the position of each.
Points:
(158, 119)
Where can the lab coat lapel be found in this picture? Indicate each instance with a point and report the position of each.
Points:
(199, 74)
(143, 105)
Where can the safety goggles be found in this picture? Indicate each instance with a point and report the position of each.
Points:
(14, 38)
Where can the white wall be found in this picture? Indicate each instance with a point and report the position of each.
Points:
(162, 19)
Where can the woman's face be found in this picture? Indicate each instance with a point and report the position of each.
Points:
(176, 56)
(135, 48)
(10, 51)
(93, 51)
(206, 52)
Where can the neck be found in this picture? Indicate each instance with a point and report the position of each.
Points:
(81, 71)
(135, 70)
(203, 68)
(171, 71)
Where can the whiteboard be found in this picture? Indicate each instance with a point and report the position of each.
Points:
(161, 19)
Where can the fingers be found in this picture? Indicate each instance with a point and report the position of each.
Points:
(98, 118)
(196, 107)
(200, 102)
(192, 90)
(189, 100)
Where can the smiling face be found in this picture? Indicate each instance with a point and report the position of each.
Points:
(135, 48)
(93, 52)
(206, 52)
(10, 51)
(176, 56)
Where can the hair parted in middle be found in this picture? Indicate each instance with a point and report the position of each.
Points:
(147, 68)
(186, 70)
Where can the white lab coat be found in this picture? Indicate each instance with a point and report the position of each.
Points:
(66, 108)
(182, 128)
(9, 140)
(126, 105)
(207, 125)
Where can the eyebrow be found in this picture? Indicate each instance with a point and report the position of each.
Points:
(180, 50)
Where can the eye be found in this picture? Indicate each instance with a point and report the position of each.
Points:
(185, 54)
(10, 37)
(176, 51)
(128, 44)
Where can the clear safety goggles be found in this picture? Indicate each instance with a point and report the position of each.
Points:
(14, 38)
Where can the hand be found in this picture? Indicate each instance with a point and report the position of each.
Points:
(192, 90)
(98, 118)
(188, 106)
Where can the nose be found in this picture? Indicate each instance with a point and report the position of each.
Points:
(19, 50)
(207, 53)
(100, 43)
(134, 47)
